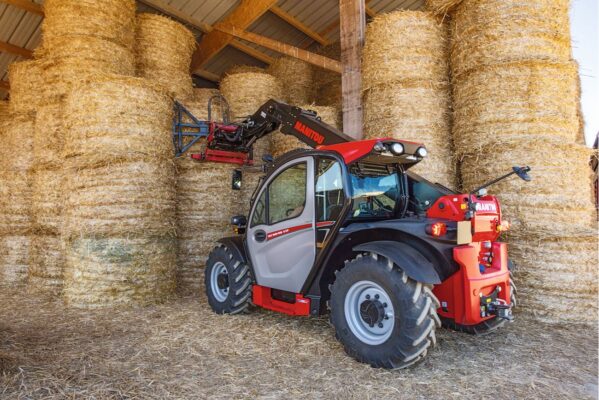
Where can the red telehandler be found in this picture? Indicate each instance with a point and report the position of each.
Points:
(345, 228)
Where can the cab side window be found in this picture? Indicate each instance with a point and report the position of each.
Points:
(287, 194)
(259, 217)
(329, 190)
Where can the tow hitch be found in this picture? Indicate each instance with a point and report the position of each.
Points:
(493, 305)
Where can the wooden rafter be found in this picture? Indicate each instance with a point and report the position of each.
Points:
(4, 85)
(246, 13)
(207, 75)
(12, 49)
(26, 5)
(284, 48)
(265, 58)
(291, 20)
(370, 12)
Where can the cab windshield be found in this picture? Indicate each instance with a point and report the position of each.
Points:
(376, 190)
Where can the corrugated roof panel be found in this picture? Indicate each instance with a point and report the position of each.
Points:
(317, 14)
(209, 12)
(271, 26)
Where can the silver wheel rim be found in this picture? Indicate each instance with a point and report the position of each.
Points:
(219, 294)
(358, 294)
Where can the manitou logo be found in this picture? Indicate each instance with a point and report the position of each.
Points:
(486, 207)
(309, 132)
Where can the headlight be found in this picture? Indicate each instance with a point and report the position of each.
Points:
(397, 148)
(422, 152)
(379, 147)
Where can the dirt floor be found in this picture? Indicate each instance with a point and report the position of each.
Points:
(182, 350)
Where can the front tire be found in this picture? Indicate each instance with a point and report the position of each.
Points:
(381, 316)
(227, 281)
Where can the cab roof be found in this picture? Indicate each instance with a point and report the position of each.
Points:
(364, 149)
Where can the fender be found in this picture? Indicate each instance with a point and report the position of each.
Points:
(235, 244)
(406, 257)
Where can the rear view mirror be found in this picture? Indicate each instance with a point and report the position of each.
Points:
(236, 180)
(239, 220)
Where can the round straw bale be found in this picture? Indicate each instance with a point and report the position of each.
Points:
(328, 83)
(47, 201)
(511, 100)
(114, 119)
(48, 135)
(404, 46)
(3, 111)
(246, 92)
(15, 203)
(129, 198)
(239, 69)
(61, 75)
(529, 205)
(251, 179)
(46, 264)
(297, 77)
(119, 271)
(16, 149)
(116, 58)
(416, 113)
(489, 32)
(164, 49)
(205, 205)
(112, 20)
(14, 259)
(26, 81)
(442, 7)
(282, 143)
(558, 275)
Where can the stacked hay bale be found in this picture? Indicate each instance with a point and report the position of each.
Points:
(328, 83)
(282, 143)
(164, 49)
(246, 92)
(516, 101)
(297, 77)
(204, 201)
(120, 194)
(15, 195)
(81, 39)
(406, 87)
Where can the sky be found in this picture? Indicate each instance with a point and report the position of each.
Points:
(584, 16)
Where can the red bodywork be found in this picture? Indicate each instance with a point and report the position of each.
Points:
(221, 156)
(352, 151)
(460, 294)
(262, 296)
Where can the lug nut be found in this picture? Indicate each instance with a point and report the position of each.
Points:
(376, 296)
(385, 305)
(380, 325)
(367, 297)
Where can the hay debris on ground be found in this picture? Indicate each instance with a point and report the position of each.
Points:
(410, 105)
(112, 20)
(164, 48)
(120, 194)
(511, 100)
(297, 77)
(493, 32)
(116, 58)
(177, 350)
(282, 143)
(26, 81)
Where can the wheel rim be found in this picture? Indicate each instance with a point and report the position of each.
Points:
(369, 312)
(219, 282)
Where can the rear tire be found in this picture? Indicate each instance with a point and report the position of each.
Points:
(228, 282)
(360, 320)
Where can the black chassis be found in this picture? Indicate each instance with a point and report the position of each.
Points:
(404, 241)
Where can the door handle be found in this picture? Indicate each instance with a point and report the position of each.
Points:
(260, 235)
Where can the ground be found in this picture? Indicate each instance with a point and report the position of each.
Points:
(182, 350)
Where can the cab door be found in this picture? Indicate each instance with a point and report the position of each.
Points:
(281, 237)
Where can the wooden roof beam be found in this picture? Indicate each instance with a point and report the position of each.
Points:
(291, 20)
(209, 76)
(12, 49)
(283, 48)
(265, 58)
(246, 13)
(26, 5)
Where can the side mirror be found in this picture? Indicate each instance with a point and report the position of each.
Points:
(236, 180)
(268, 159)
(239, 221)
(522, 172)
